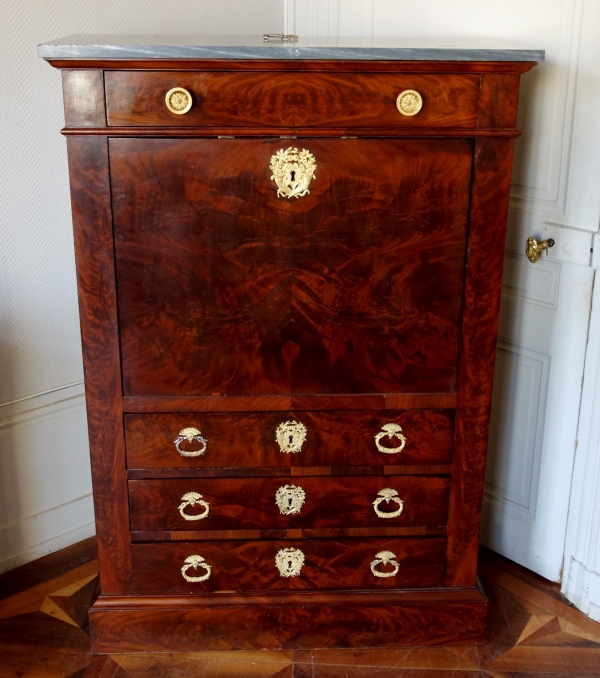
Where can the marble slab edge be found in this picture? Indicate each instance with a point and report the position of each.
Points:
(284, 52)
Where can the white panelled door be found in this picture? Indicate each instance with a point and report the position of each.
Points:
(556, 193)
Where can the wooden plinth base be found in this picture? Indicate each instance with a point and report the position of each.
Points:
(288, 621)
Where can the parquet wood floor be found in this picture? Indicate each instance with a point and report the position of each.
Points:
(533, 632)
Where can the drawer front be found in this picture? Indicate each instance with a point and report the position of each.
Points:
(225, 288)
(291, 99)
(315, 564)
(254, 503)
(285, 439)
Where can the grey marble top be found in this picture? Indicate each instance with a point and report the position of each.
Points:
(253, 47)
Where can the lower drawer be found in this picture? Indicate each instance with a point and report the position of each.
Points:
(200, 567)
(258, 503)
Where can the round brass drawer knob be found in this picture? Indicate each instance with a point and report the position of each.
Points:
(178, 100)
(409, 102)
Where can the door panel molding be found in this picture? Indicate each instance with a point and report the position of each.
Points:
(516, 430)
(536, 285)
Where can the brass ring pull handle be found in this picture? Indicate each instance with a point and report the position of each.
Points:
(195, 562)
(289, 562)
(290, 499)
(290, 436)
(178, 100)
(191, 499)
(191, 434)
(293, 170)
(391, 431)
(383, 558)
(533, 248)
(409, 102)
(387, 495)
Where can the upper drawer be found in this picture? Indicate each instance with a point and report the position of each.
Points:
(290, 99)
(282, 439)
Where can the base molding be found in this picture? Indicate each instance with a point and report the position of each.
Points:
(289, 621)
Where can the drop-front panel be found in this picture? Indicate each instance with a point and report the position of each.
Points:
(289, 279)
(225, 287)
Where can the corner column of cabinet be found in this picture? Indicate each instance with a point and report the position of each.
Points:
(89, 175)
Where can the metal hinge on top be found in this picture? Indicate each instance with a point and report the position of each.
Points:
(282, 37)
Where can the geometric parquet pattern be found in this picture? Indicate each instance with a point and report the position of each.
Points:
(533, 633)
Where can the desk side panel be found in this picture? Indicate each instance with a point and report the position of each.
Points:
(483, 286)
(92, 224)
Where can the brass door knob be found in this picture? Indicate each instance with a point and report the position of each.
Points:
(533, 248)
(178, 100)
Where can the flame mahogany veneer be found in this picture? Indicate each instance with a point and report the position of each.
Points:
(206, 301)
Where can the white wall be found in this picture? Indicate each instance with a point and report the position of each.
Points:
(45, 490)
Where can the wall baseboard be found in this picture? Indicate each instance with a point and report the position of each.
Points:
(30, 539)
(582, 587)
(45, 485)
(19, 411)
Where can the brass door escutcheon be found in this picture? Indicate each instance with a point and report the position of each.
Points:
(533, 248)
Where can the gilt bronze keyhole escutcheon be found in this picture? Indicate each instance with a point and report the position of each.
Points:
(290, 436)
(290, 499)
(293, 170)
